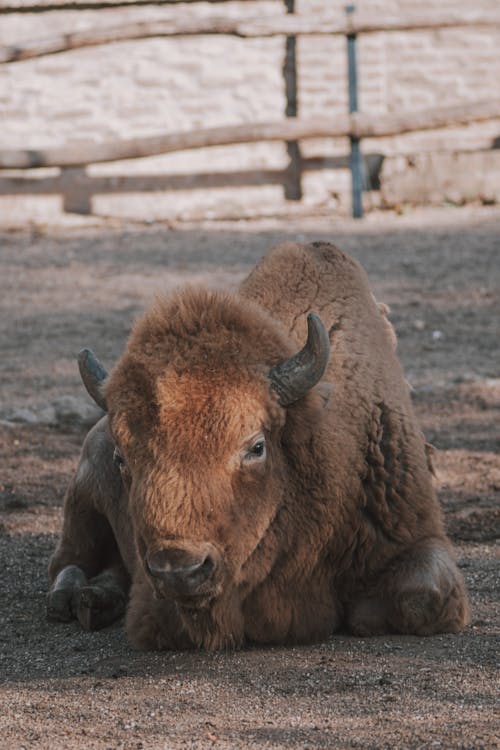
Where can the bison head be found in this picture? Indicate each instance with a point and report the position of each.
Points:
(197, 405)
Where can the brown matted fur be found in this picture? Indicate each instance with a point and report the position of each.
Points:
(336, 525)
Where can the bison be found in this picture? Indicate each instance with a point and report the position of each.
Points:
(247, 493)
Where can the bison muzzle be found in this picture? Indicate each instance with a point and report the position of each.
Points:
(259, 475)
(189, 573)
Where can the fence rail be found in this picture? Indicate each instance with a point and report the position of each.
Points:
(72, 159)
(46, 6)
(356, 125)
(282, 25)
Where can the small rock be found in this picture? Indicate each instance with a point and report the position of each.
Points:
(462, 378)
(492, 382)
(65, 410)
(24, 416)
(47, 415)
(6, 423)
(70, 410)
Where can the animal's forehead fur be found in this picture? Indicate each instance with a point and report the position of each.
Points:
(209, 411)
(195, 361)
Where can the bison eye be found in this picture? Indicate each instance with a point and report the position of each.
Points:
(257, 450)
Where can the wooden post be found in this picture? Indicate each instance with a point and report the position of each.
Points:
(75, 191)
(293, 173)
(356, 158)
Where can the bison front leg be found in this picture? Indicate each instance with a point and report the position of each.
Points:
(95, 603)
(62, 599)
(104, 599)
(89, 579)
(421, 592)
(87, 547)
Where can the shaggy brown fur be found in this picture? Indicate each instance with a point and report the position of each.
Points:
(337, 525)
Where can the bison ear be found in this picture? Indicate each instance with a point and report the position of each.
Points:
(325, 391)
(93, 374)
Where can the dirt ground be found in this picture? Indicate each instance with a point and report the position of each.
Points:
(61, 687)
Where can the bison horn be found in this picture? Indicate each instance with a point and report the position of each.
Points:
(93, 375)
(294, 377)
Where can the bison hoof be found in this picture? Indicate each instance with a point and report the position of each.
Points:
(62, 600)
(59, 606)
(99, 606)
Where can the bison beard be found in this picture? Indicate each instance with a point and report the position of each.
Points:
(238, 491)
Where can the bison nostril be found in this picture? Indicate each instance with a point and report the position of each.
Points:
(205, 568)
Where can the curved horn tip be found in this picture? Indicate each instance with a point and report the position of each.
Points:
(294, 377)
(318, 336)
(83, 356)
(93, 375)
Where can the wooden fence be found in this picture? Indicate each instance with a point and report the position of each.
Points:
(77, 187)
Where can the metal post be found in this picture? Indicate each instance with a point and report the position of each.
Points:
(356, 159)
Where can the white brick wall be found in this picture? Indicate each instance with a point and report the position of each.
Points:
(159, 85)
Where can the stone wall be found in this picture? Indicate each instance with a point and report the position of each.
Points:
(159, 85)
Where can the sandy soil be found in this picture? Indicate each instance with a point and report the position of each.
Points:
(63, 688)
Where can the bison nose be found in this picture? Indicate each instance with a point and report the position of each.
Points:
(183, 571)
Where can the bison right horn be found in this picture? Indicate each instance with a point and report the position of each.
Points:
(93, 374)
(294, 377)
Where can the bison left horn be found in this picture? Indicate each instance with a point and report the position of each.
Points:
(294, 377)
(93, 374)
